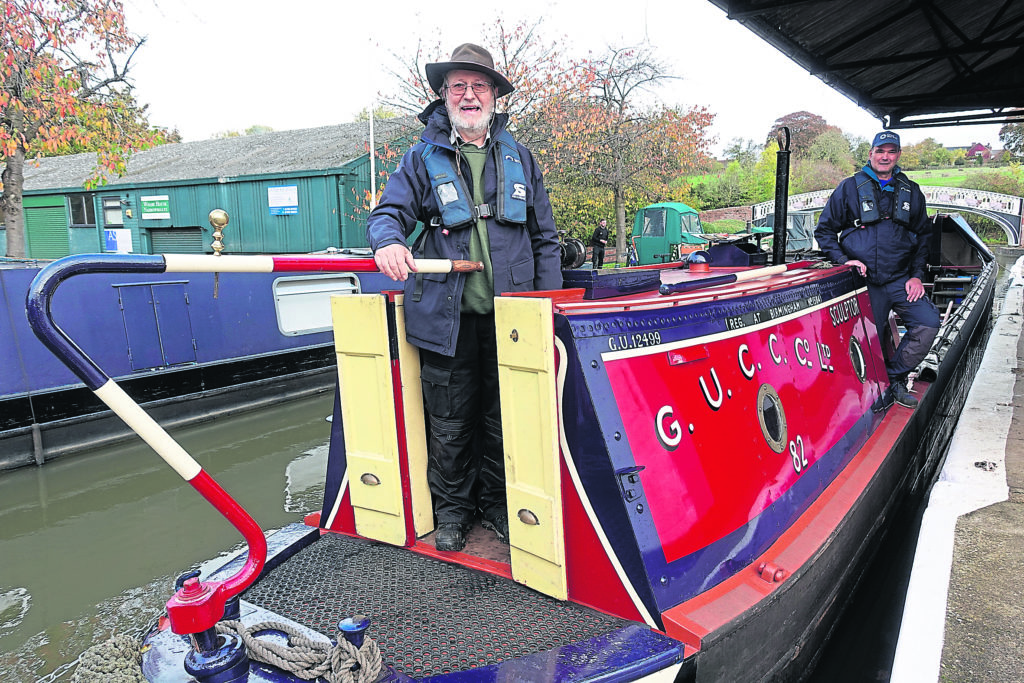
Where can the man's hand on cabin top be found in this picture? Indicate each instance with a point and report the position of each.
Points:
(859, 265)
(395, 261)
(915, 290)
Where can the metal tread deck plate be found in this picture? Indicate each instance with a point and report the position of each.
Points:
(429, 617)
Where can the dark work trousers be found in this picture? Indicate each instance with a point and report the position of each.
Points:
(920, 318)
(466, 470)
(597, 258)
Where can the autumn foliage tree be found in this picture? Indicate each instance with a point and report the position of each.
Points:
(63, 70)
(804, 129)
(611, 135)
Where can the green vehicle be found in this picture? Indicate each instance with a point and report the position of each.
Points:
(665, 232)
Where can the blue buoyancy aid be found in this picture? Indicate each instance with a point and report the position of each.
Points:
(454, 199)
(869, 211)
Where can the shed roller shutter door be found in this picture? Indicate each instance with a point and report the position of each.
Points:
(177, 241)
(47, 232)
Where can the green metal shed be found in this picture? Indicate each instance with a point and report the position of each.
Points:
(285, 192)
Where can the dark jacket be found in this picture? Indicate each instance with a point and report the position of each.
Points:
(890, 251)
(600, 237)
(523, 257)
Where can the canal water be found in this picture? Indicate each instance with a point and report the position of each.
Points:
(90, 545)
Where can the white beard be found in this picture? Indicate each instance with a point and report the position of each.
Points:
(467, 129)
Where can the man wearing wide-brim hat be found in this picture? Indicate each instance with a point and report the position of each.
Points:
(480, 196)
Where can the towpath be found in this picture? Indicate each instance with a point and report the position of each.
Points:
(964, 615)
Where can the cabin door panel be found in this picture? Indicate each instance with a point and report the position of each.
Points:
(172, 318)
(526, 374)
(157, 325)
(368, 413)
(140, 327)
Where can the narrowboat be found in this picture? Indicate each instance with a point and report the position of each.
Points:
(189, 346)
(698, 467)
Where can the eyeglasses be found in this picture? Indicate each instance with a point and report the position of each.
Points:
(460, 88)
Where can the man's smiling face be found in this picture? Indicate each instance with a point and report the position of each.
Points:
(883, 158)
(470, 113)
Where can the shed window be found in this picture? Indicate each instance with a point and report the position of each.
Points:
(83, 211)
(112, 215)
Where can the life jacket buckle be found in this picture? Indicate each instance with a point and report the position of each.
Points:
(483, 211)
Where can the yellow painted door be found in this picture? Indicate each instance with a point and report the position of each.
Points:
(526, 372)
(368, 414)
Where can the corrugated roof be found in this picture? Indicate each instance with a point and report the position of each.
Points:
(911, 63)
(289, 151)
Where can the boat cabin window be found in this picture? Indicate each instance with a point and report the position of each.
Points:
(303, 302)
(654, 223)
(83, 211)
(691, 224)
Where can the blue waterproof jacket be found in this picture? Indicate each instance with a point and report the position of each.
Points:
(523, 257)
(891, 251)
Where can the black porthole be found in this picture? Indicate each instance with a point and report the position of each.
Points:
(857, 358)
(772, 417)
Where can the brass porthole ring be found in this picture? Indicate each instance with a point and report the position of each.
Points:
(857, 358)
(772, 417)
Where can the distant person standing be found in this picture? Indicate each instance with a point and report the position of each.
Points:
(875, 221)
(598, 241)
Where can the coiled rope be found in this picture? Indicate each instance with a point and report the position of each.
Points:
(119, 659)
(307, 658)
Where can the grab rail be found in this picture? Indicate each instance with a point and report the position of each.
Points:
(197, 606)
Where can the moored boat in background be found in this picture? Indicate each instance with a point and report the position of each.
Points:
(189, 347)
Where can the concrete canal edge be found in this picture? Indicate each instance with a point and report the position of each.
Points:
(963, 618)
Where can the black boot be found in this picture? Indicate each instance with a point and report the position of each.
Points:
(450, 537)
(901, 394)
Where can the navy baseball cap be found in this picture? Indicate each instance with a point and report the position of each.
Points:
(886, 137)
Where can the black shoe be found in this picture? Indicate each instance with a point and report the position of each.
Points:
(450, 537)
(884, 402)
(901, 395)
(499, 525)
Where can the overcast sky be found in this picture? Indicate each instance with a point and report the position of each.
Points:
(215, 65)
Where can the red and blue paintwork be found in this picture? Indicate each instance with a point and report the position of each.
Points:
(721, 467)
(669, 397)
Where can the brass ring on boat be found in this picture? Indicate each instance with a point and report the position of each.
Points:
(775, 433)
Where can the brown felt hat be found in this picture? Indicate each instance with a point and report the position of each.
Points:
(468, 57)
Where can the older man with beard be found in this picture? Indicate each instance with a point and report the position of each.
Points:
(480, 196)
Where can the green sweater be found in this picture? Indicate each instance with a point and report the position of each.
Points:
(478, 294)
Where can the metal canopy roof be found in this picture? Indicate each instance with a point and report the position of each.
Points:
(911, 63)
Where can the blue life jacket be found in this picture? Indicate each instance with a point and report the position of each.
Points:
(869, 212)
(454, 199)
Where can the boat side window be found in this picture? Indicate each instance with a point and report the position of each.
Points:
(692, 224)
(83, 211)
(112, 215)
(654, 223)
